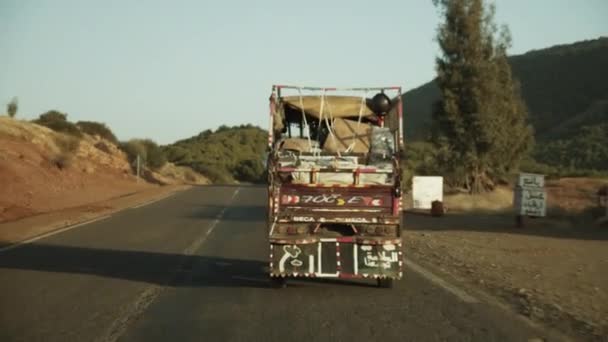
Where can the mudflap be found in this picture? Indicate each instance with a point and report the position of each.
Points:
(337, 258)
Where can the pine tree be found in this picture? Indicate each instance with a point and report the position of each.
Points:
(480, 123)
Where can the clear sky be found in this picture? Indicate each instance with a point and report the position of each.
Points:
(170, 69)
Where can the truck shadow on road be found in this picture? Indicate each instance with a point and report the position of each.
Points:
(173, 270)
(164, 269)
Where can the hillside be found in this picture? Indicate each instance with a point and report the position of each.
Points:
(564, 87)
(227, 155)
(43, 171)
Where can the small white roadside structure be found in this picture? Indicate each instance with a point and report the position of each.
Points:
(530, 197)
(425, 190)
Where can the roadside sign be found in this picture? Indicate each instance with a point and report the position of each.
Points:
(531, 180)
(530, 197)
(425, 190)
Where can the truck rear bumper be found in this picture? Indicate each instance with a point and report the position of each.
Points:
(343, 257)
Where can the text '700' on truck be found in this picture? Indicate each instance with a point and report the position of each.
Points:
(334, 183)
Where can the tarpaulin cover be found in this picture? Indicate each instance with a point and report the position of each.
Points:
(347, 133)
(333, 106)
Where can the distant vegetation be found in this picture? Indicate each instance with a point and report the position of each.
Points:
(564, 88)
(585, 151)
(225, 155)
(566, 93)
(12, 107)
(97, 128)
(58, 122)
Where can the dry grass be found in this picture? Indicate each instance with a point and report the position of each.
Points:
(499, 200)
(569, 200)
(68, 146)
(182, 174)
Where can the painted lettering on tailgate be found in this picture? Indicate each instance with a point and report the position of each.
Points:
(335, 199)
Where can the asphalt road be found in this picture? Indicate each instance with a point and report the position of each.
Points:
(192, 268)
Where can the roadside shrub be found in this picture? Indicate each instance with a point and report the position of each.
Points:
(133, 148)
(152, 156)
(97, 128)
(216, 175)
(155, 157)
(250, 170)
(178, 155)
(58, 122)
(190, 175)
(67, 145)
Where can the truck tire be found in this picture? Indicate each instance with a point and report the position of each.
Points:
(278, 282)
(385, 283)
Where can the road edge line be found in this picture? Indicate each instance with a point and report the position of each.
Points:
(78, 224)
(489, 299)
(51, 233)
(154, 200)
(461, 294)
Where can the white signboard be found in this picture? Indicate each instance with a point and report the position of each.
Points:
(531, 180)
(530, 197)
(531, 201)
(425, 190)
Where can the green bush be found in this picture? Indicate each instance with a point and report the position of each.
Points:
(151, 155)
(250, 170)
(155, 157)
(215, 173)
(132, 149)
(58, 122)
(97, 128)
(178, 155)
(532, 166)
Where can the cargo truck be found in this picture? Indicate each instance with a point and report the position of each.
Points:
(334, 184)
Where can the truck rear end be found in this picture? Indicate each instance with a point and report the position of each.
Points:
(335, 184)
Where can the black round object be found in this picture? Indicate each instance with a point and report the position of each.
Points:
(381, 104)
(386, 283)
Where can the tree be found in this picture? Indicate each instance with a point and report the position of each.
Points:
(12, 107)
(480, 124)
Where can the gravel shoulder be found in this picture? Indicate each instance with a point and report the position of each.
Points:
(551, 271)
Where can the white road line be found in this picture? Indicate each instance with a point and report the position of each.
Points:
(465, 297)
(51, 233)
(153, 201)
(149, 294)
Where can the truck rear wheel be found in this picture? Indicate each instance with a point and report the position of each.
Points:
(278, 282)
(385, 283)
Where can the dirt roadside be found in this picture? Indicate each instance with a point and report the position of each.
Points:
(37, 225)
(553, 271)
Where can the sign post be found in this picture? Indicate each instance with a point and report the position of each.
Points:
(530, 197)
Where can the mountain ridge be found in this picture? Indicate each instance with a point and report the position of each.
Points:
(563, 86)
